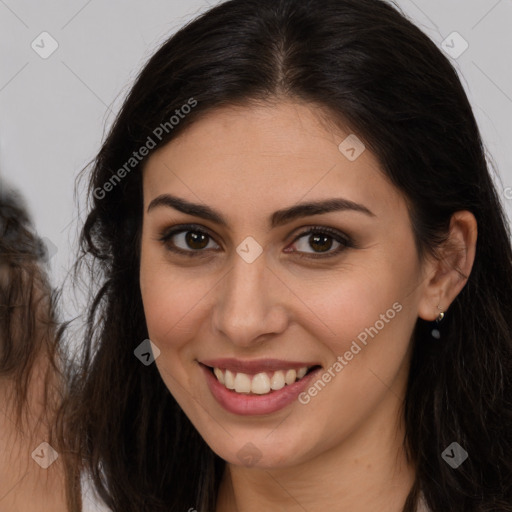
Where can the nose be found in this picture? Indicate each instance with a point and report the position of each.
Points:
(249, 303)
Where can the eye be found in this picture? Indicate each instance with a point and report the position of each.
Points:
(191, 240)
(321, 240)
(188, 240)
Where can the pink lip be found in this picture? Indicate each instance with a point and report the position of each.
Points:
(255, 366)
(251, 405)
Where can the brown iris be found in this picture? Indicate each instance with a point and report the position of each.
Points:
(321, 242)
(196, 240)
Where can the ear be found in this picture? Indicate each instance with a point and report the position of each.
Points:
(447, 274)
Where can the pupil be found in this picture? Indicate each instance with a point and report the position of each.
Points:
(193, 238)
(323, 242)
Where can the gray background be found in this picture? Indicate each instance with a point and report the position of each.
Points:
(55, 111)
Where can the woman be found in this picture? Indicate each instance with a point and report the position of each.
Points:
(294, 206)
(32, 467)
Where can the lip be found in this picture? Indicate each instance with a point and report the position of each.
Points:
(252, 405)
(255, 366)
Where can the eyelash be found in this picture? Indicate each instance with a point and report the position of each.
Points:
(344, 241)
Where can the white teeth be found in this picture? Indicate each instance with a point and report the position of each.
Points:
(219, 375)
(277, 381)
(229, 380)
(260, 383)
(242, 383)
(290, 377)
(302, 371)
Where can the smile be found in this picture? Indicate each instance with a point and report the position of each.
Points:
(260, 383)
(257, 387)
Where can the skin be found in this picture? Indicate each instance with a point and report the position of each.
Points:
(343, 450)
(25, 486)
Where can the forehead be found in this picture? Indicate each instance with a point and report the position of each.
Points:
(279, 154)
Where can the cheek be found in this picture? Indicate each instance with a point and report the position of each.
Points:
(175, 302)
(165, 299)
(362, 297)
(166, 311)
(372, 314)
(168, 307)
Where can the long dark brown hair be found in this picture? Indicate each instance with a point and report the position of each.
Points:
(31, 354)
(377, 73)
(29, 330)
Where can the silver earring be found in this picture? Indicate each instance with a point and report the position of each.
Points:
(435, 332)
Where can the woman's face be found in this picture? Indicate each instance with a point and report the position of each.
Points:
(249, 290)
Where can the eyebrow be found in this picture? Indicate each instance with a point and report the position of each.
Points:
(278, 218)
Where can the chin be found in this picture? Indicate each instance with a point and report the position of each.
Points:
(250, 455)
